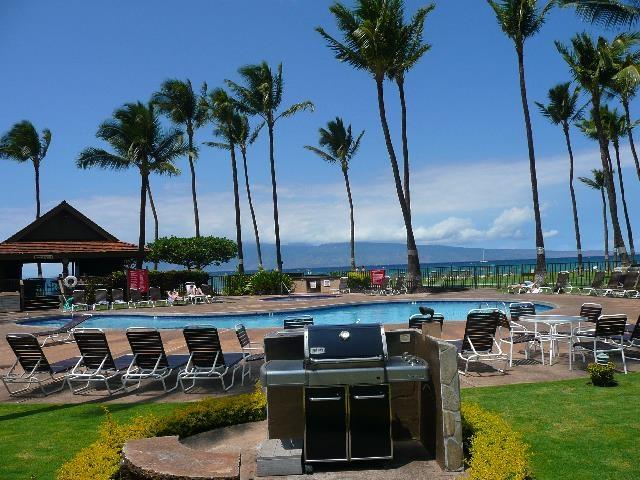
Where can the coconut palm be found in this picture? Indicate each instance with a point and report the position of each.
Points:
(261, 95)
(177, 100)
(137, 141)
(340, 146)
(598, 182)
(22, 143)
(609, 13)
(410, 49)
(156, 225)
(227, 122)
(592, 65)
(563, 110)
(521, 20)
(370, 43)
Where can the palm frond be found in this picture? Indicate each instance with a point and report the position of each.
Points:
(322, 154)
(297, 107)
(220, 145)
(606, 13)
(97, 157)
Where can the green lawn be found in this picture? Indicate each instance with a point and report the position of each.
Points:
(35, 439)
(574, 429)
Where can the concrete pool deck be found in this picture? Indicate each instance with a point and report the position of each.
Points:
(523, 371)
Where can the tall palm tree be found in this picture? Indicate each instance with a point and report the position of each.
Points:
(261, 95)
(22, 143)
(227, 122)
(563, 110)
(520, 20)
(593, 68)
(598, 182)
(410, 49)
(177, 100)
(137, 141)
(340, 146)
(370, 43)
(609, 13)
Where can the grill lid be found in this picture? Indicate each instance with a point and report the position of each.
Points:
(355, 342)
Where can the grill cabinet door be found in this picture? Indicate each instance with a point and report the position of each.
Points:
(325, 424)
(370, 422)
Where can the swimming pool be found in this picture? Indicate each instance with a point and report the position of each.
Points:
(379, 312)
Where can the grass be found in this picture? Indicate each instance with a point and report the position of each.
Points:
(575, 430)
(35, 439)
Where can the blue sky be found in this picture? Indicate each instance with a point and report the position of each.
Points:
(68, 65)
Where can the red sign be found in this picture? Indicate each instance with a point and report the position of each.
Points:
(377, 277)
(138, 279)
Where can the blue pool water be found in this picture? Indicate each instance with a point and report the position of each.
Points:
(387, 312)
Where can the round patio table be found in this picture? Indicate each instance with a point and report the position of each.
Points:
(553, 321)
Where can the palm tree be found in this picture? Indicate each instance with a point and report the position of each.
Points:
(261, 95)
(177, 100)
(21, 144)
(137, 141)
(410, 49)
(609, 13)
(520, 20)
(593, 68)
(227, 122)
(562, 110)
(370, 43)
(598, 182)
(340, 146)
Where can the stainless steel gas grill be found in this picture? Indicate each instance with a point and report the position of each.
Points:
(345, 375)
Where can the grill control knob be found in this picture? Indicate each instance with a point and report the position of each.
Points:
(344, 335)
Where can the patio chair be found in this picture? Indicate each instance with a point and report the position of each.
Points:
(101, 301)
(250, 350)
(96, 364)
(210, 295)
(299, 321)
(206, 359)
(632, 339)
(592, 312)
(136, 297)
(192, 295)
(117, 299)
(615, 282)
(63, 334)
(608, 337)
(629, 286)
(79, 301)
(150, 362)
(479, 343)
(36, 369)
(155, 297)
(518, 335)
(562, 284)
(596, 284)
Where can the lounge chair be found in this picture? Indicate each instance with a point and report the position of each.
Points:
(400, 286)
(632, 339)
(79, 301)
(479, 343)
(36, 369)
(193, 295)
(343, 286)
(150, 362)
(252, 352)
(615, 283)
(596, 284)
(417, 320)
(562, 284)
(210, 295)
(299, 321)
(63, 334)
(206, 359)
(629, 286)
(608, 337)
(96, 364)
(155, 297)
(117, 297)
(136, 298)
(101, 301)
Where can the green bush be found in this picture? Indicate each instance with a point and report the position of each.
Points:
(101, 459)
(494, 451)
(192, 252)
(359, 280)
(602, 375)
(270, 283)
(236, 284)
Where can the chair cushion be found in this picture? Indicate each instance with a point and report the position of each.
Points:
(231, 359)
(176, 361)
(254, 357)
(600, 346)
(524, 338)
(64, 365)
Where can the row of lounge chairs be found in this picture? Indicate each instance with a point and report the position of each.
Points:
(620, 284)
(148, 361)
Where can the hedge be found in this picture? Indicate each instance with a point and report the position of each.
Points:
(494, 451)
(262, 282)
(101, 459)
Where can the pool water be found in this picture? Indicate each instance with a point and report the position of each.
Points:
(380, 312)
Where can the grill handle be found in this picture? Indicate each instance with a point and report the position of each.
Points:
(346, 360)
(325, 399)
(369, 397)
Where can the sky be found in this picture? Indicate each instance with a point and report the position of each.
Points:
(68, 65)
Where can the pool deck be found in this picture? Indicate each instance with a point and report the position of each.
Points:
(522, 371)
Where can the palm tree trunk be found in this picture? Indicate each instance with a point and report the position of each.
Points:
(632, 250)
(274, 191)
(193, 181)
(345, 172)
(143, 206)
(155, 219)
(414, 277)
(236, 200)
(405, 143)
(618, 241)
(36, 166)
(243, 150)
(576, 223)
(625, 104)
(606, 229)
(541, 264)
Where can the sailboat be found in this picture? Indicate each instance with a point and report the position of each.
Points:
(483, 260)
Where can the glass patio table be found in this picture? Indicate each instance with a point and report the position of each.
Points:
(553, 336)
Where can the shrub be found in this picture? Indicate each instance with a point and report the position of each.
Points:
(270, 283)
(101, 459)
(359, 280)
(494, 451)
(602, 375)
(192, 252)
(236, 284)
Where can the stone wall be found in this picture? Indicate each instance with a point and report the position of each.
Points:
(9, 302)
